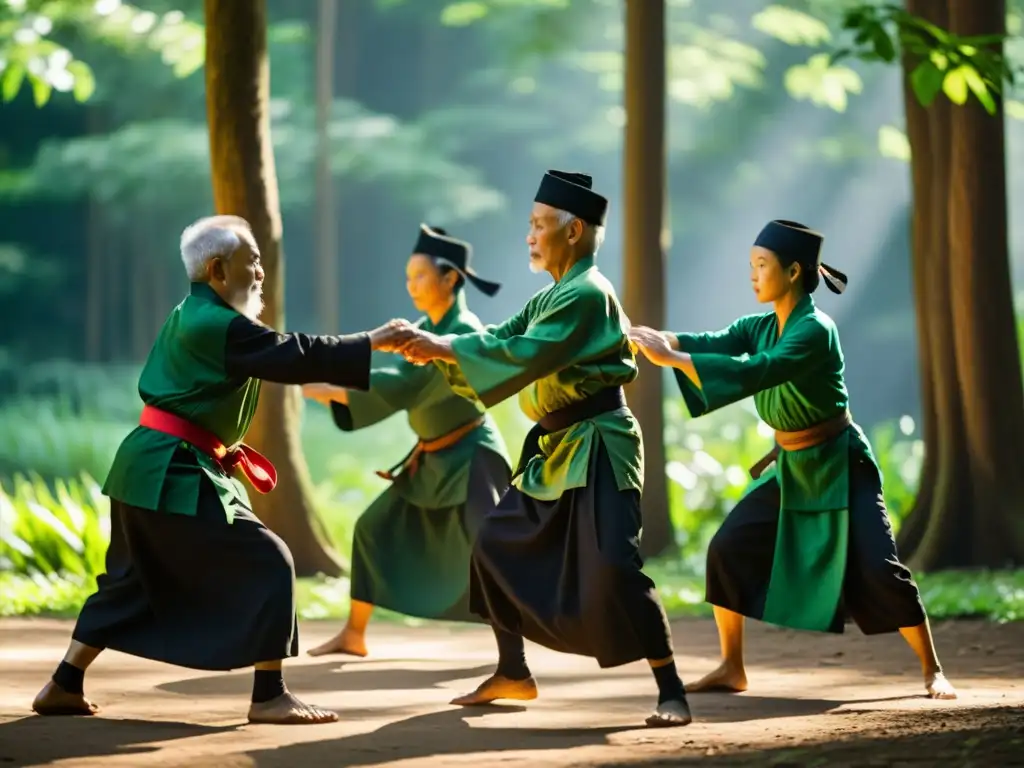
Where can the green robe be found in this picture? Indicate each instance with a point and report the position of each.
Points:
(568, 343)
(796, 380)
(434, 410)
(206, 366)
(411, 548)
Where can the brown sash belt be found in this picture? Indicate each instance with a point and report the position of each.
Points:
(412, 460)
(801, 439)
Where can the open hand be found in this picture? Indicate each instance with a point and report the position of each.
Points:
(653, 344)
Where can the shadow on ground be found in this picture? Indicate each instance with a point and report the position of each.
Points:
(34, 741)
(972, 738)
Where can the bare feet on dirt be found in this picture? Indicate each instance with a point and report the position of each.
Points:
(54, 700)
(728, 678)
(938, 686)
(670, 714)
(345, 642)
(288, 710)
(498, 687)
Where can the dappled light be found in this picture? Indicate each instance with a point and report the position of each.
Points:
(435, 221)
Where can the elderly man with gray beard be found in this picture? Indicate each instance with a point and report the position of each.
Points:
(557, 559)
(192, 577)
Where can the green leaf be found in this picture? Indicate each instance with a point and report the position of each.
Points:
(884, 46)
(980, 90)
(12, 78)
(41, 89)
(955, 84)
(85, 82)
(463, 14)
(926, 80)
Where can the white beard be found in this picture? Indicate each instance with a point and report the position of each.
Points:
(252, 306)
(535, 266)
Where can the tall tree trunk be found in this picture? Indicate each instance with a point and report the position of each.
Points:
(325, 226)
(966, 514)
(985, 329)
(644, 248)
(245, 184)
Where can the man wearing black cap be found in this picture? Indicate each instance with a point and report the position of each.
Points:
(810, 541)
(557, 560)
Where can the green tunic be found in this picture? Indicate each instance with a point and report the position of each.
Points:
(796, 379)
(568, 343)
(433, 410)
(411, 548)
(206, 366)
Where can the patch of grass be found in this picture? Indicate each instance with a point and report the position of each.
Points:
(995, 596)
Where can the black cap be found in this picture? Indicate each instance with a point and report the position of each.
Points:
(572, 192)
(792, 241)
(436, 243)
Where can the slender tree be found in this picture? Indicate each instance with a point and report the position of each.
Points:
(644, 247)
(245, 184)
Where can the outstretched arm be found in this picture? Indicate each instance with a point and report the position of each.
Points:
(573, 326)
(253, 350)
(709, 381)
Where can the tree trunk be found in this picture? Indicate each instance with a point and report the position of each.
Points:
(644, 249)
(966, 510)
(985, 329)
(245, 184)
(325, 225)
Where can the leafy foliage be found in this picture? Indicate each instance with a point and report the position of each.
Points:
(955, 65)
(132, 168)
(31, 50)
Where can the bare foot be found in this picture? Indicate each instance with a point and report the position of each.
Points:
(347, 642)
(726, 679)
(498, 687)
(938, 686)
(288, 710)
(670, 714)
(54, 700)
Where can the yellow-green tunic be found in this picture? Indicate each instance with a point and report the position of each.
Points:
(796, 380)
(568, 343)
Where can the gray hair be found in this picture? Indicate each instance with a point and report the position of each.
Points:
(592, 231)
(212, 237)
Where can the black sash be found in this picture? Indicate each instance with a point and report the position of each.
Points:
(607, 400)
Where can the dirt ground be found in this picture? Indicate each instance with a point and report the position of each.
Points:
(814, 701)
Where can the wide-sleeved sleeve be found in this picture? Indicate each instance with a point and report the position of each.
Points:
(571, 326)
(726, 379)
(392, 389)
(728, 341)
(252, 350)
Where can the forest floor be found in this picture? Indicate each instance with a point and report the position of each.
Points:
(814, 700)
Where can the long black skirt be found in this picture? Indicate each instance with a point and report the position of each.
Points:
(196, 592)
(415, 560)
(567, 574)
(879, 593)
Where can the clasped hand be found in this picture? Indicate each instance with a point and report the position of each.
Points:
(414, 344)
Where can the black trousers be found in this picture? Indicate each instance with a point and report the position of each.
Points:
(567, 574)
(196, 592)
(879, 593)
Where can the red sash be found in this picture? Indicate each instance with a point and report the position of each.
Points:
(256, 466)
